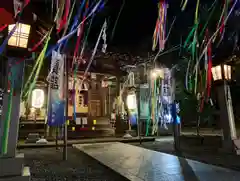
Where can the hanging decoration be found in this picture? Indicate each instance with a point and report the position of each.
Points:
(160, 28)
(65, 17)
(115, 24)
(59, 15)
(56, 103)
(3, 46)
(184, 4)
(76, 63)
(166, 99)
(19, 5)
(1, 100)
(104, 37)
(77, 26)
(28, 87)
(93, 55)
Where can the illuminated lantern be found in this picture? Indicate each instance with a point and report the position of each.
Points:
(132, 101)
(155, 73)
(221, 72)
(20, 36)
(37, 98)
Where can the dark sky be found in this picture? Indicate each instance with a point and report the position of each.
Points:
(135, 27)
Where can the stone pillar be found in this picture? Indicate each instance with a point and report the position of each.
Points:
(15, 113)
(12, 164)
(226, 115)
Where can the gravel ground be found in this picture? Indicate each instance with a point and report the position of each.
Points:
(46, 164)
(200, 153)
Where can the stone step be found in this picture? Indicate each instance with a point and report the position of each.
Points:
(11, 166)
(25, 176)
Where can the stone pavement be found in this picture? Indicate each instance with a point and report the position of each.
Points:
(46, 164)
(140, 164)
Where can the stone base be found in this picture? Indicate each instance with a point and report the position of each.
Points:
(237, 146)
(12, 169)
(133, 133)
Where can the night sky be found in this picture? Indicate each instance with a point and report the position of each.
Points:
(136, 24)
(137, 21)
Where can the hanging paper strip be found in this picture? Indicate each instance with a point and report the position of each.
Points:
(1, 100)
(104, 37)
(209, 71)
(3, 27)
(160, 28)
(18, 5)
(30, 84)
(65, 17)
(76, 29)
(56, 104)
(60, 13)
(3, 46)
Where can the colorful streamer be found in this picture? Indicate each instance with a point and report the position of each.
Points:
(36, 70)
(160, 28)
(115, 24)
(65, 17)
(3, 46)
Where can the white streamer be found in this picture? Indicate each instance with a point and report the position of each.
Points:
(104, 37)
(76, 29)
(213, 36)
(92, 57)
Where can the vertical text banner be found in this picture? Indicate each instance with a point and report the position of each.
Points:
(56, 103)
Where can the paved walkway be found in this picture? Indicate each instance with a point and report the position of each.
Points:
(139, 164)
(46, 164)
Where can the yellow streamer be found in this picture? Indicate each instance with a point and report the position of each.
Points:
(184, 5)
(196, 12)
(37, 68)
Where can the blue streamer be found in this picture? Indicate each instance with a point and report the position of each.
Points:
(3, 46)
(75, 22)
(74, 82)
(55, 47)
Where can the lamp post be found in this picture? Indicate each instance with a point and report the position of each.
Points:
(11, 100)
(221, 76)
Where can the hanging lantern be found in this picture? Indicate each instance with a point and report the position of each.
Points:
(131, 101)
(20, 36)
(221, 72)
(155, 73)
(37, 98)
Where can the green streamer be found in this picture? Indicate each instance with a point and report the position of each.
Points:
(31, 75)
(196, 12)
(8, 116)
(115, 24)
(37, 68)
(205, 25)
(184, 5)
(190, 35)
(84, 44)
